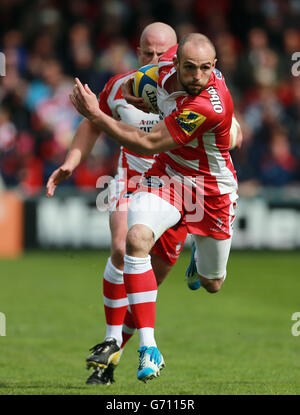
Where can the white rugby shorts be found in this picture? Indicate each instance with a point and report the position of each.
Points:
(157, 214)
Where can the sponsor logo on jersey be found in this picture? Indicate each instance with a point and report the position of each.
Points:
(189, 121)
(219, 226)
(215, 99)
(148, 122)
(146, 125)
(218, 73)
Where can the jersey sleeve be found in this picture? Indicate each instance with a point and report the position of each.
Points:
(165, 64)
(192, 120)
(103, 105)
(111, 97)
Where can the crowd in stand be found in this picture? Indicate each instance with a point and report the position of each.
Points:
(46, 44)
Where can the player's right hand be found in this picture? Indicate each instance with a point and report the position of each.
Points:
(139, 103)
(58, 176)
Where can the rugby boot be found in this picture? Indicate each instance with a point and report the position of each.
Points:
(102, 376)
(150, 364)
(103, 354)
(191, 275)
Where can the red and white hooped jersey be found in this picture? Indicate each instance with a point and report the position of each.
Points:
(201, 125)
(112, 102)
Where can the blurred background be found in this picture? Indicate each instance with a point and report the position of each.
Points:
(46, 43)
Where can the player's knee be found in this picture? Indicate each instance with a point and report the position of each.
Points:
(139, 240)
(211, 285)
(117, 256)
(133, 239)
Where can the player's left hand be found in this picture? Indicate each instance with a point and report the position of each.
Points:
(138, 103)
(84, 100)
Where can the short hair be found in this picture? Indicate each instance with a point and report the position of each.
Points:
(197, 38)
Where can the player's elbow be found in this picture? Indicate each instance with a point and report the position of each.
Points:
(239, 140)
(236, 135)
(90, 128)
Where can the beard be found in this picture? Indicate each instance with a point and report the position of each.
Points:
(191, 88)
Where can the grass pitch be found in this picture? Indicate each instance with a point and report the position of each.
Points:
(238, 341)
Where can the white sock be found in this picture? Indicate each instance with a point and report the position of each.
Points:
(147, 337)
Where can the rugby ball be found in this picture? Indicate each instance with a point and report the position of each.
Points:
(145, 86)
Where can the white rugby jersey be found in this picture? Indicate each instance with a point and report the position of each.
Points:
(112, 102)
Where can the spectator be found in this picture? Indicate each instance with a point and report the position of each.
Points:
(49, 43)
(278, 166)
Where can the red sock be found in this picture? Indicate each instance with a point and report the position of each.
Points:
(115, 301)
(128, 328)
(141, 289)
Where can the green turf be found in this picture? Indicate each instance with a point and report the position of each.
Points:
(237, 341)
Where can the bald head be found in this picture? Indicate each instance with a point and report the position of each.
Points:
(161, 32)
(194, 63)
(195, 42)
(155, 40)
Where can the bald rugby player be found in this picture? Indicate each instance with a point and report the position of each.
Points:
(193, 142)
(155, 40)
